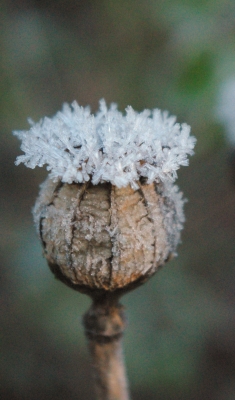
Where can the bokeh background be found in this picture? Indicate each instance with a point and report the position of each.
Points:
(171, 54)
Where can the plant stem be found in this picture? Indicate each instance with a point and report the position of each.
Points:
(104, 325)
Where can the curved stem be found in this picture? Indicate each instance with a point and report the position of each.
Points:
(104, 325)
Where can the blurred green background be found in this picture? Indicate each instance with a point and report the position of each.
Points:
(171, 54)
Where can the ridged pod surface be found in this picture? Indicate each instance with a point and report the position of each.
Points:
(101, 236)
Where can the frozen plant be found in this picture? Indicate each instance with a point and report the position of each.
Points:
(109, 214)
(110, 147)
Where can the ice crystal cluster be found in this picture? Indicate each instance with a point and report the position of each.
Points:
(226, 109)
(109, 213)
(77, 146)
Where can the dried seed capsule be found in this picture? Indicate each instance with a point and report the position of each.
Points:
(109, 214)
(105, 237)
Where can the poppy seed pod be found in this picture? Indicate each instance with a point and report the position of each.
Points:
(109, 214)
(105, 237)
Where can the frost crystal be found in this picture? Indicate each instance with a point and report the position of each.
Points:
(77, 146)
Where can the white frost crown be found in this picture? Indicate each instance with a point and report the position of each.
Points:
(77, 146)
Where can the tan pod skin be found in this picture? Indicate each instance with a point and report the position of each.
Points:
(102, 237)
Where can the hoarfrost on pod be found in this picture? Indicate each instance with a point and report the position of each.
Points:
(77, 146)
(109, 213)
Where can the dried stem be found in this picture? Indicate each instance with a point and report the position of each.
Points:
(104, 325)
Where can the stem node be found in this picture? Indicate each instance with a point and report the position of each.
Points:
(104, 326)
